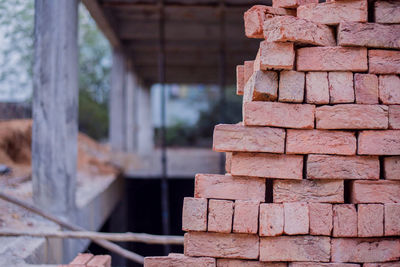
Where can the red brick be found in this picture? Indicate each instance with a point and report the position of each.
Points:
(369, 35)
(291, 3)
(335, 12)
(330, 191)
(370, 220)
(392, 221)
(229, 187)
(279, 115)
(380, 191)
(394, 117)
(82, 259)
(332, 59)
(389, 89)
(194, 214)
(292, 29)
(267, 165)
(242, 263)
(220, 213)
(341, 88)
(317, 88)
(320, 141)
(239, 79)
(387, 12)
(262, 86)
(342, 167)
(392, 168)
(366, 88)
(228, 161)
(276, 56)
(271, 219)
(352, 116)
(239, 246)
(254, 18)
(245, 219)
(379, 142)
(384, 61)
(297, 221)
(321, 218)
(295, 248)
(365, 249)
(383, 264)
(320, 264)
(248, 70)
(344, 220)
(181, 261)
(291, 86)
(229, 137)
(100, 261)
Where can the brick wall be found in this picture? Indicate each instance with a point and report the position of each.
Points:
(320, 136)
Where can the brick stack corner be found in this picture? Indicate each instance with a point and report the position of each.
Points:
(89, 260)
(313, 170)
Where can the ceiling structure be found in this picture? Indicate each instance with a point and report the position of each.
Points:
(196, 31)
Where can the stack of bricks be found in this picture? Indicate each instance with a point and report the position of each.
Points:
(89, 260)
(313, 171)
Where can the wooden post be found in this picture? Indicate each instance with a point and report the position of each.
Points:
(55, 105)
(117, 101)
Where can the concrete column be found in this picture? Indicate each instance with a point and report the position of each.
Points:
(145, 131)
(117, 101)
(55, 105)
(130, 88)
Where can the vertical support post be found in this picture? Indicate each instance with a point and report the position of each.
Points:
(117, 101)
(144, 127)
(130, 87)
(55, 105)
(222, 74)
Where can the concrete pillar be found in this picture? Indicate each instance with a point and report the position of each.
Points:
(130, 103)
(145, 131)
(55, 105)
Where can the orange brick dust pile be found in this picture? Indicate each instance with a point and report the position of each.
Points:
(313, 171)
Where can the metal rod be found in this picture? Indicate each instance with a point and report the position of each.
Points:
(164, 171)
(222, 74)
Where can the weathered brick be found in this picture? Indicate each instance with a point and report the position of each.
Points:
(228, 187)
(228, 161)
(295, 248)
(335, 12)
(291, 86)
(82, 259)
(321, 264)
(389, 89)
(370, 220)
(245, 219)
(321, 218)
(243, 263)
(181, 261)
(267, 165)
(239, 79)
(387, 11)
(248, 71)
(332, 59)
(291, 3)
(320, 141)
(380, 191)
(366, 88)
(262, 86)
(392, 221)
(394, 117)
(330, 191)
(194, 214)
(341, 88)
(384, 61)
(383, 264)
(271, 219)
(365, 249)
(392, 168)
(344, 220)
(342, 167)
(369, 35)
(293, 29)
(379, 142)
(241, 246)
(317, 88)
(257, 14)
(279, 115)
(220, 214)
(276, 56)
(233, 137)
(352, 116)
(297, 221)
(100, 261)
